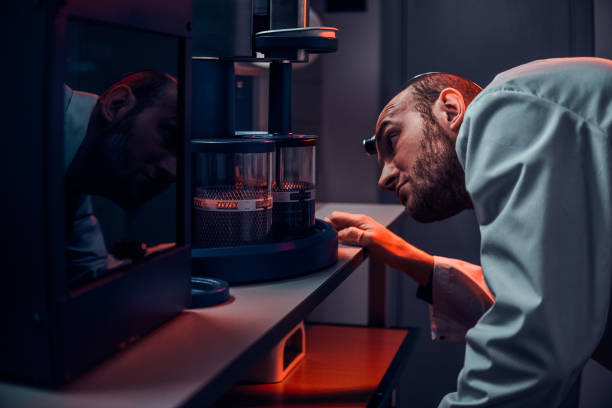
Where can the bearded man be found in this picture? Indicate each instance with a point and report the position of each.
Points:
(121, 146)
(531, 155)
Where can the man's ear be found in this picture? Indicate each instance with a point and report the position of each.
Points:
(450, 109)
(117, 103)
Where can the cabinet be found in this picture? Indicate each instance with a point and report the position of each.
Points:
(346, 366)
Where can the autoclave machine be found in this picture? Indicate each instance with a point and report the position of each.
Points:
(254, 192)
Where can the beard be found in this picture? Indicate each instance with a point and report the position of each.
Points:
(110, 165)
(110, 161)
(106, 165)
(437, 178)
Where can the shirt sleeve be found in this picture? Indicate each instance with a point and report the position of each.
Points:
(539, 177)
(86, 252)
(460, 296)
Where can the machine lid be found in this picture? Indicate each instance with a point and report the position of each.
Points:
(312, 39)
(233, 145)
(326, 32)
(281, 140)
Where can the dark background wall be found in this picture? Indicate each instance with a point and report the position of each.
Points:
(380, 48)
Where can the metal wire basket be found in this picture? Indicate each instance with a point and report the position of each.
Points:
(231, 215)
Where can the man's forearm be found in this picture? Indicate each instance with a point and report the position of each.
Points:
(417, 264)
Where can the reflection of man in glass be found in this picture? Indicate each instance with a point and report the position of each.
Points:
(122, 146)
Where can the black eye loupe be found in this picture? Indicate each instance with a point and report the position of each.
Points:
(369, 144)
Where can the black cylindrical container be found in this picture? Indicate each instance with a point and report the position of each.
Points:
(293, 185)
(293, 189)
(232, 195)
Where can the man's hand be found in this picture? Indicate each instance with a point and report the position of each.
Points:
(382, 244)
(159, 248)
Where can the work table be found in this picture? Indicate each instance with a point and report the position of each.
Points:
(199, 354)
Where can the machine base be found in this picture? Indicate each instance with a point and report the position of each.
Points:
(269, 261)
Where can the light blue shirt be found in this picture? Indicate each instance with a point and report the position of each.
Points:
(85, 248)
(535, 148)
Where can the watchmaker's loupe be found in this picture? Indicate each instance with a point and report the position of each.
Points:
(369, 144)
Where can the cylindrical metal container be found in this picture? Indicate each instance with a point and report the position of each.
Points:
(232, 196)
(293, 189)
(293, 186)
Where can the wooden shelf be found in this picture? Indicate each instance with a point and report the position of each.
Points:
(344, 366)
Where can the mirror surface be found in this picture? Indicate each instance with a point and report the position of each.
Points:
(121, 134)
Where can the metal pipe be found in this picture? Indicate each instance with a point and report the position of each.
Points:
(279, 112)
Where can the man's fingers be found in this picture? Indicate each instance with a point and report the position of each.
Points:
(159, 248)
(350, 236)
(341, 220)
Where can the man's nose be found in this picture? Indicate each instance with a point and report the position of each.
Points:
(388, 178)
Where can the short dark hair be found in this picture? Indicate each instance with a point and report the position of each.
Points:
(426, 90)
(145, 85)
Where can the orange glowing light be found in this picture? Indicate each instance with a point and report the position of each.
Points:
(227, 205)
(327, 34)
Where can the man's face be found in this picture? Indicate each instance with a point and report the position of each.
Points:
(140, 151)
(419, 162)
(150, 148)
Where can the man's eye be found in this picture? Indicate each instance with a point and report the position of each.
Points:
(391, 139)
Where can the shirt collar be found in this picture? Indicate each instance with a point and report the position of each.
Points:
(77, 111)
